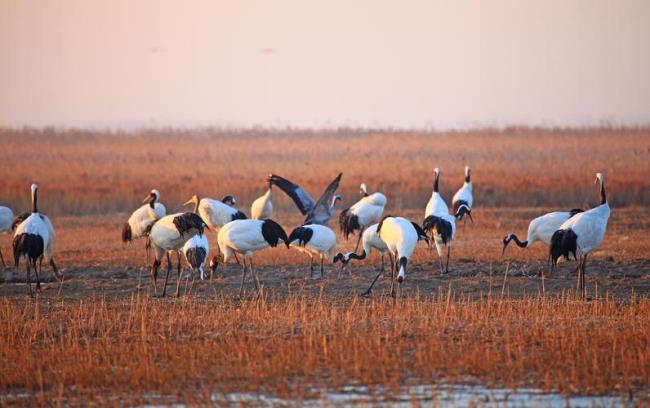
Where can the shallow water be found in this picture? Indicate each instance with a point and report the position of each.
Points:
(433, 396)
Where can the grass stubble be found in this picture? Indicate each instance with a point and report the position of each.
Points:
(140, 350)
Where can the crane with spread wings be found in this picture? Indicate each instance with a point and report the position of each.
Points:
(316, 212)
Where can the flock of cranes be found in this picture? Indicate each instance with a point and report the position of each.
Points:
(574, 233)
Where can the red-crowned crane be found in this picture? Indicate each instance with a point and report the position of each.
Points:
(314, 239)
(463, 199)
(316, 212)
(169, 234)
(262, 207)
(541, 229)
(141, 220)
(33, 240)
(362, 214)
(401, 236)
(246, 237)
(438, 223)
(582, 234)
(369, 240)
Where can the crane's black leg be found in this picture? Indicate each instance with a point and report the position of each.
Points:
(37, 272)
(311, 265)
(321, 266)
(243, 277)
(367, 292)
(29, 279)
(392, 279)
(154, 275)
(382, 262)
(448, 253)
(178, 276)
(256, 282)
(582, 277)
(169, 268)
(390, 258)
(359, 240)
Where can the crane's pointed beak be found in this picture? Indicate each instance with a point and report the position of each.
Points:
(188, 202)
(147, 199)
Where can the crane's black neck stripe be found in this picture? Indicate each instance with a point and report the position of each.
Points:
(35, 201)
(513, 237)
(435, 183)
(603, 194)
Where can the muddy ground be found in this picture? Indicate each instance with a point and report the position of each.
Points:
(621, 281)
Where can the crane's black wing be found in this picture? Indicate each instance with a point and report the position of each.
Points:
(303, 200)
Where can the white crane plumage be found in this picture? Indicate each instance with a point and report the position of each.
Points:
(262, 207)
(463, 199)
(141, 220)
(438, 223)
(6, 221)
(582, 234)
(314, 239)
(316, 212)
(33, 240)
(169, 234)
(541, 229)
(362, 214)
(370, 239)
(436, 204)
(216, 213)
(401, 237)
(196, 251)
(246, 237)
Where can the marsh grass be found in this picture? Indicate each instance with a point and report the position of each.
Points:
(143, 350)
(102, 172)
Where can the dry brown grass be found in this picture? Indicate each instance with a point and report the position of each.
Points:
(83, 172)
(141, 350)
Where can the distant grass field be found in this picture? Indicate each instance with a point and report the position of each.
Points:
(84, 172)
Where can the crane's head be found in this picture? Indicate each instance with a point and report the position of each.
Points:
(599, 178)
(152, 197)
(229, 200)
(193, 200)
(34, 187)
(436, 172)
(363, 189)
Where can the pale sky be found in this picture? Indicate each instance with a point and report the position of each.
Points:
(441, 64)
